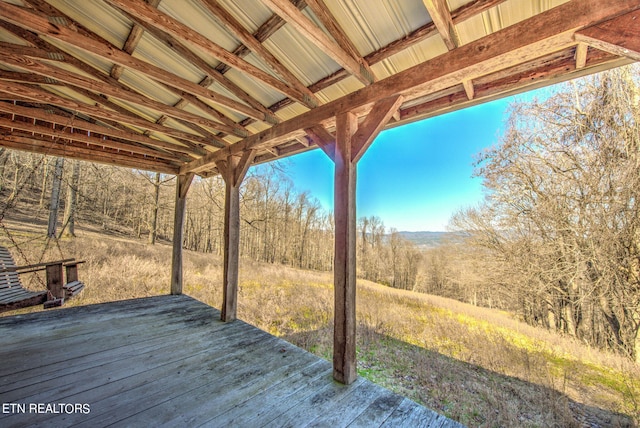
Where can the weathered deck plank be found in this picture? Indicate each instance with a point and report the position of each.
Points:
(169, 361)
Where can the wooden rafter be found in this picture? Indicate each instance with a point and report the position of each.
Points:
(42, 26)
(130, 44)
(266, 30)
(459, 15)
(213, 75)
(322, 12)
(69, 134)
(131, 137)
(605, 38)
(619, 36)
(111, 90)
(102, 102)
(151, 16)
(47, 146)
(443, 21)
(304, 26)
(40, 95)
(47, 51)
(133, 39)
(135, 35)
(555, 68)
(226, 19)
(538, 36)
(195, 148)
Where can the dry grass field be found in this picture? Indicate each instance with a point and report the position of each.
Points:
(478, 366)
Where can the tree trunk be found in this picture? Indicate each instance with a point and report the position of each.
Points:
(3, 161)
(45, 180)
(153, 232)
(69, 228)
(55, 197)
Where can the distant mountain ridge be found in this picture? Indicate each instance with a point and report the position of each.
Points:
(427, 240)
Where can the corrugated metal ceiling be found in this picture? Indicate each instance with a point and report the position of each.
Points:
(372, 26)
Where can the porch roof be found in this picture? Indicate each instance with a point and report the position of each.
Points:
(177, 85)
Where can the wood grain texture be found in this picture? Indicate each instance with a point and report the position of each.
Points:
(441, 18)
(315, 35)
(169, 361)
(619, 36)
(42, 25)
(541, 35)
(183, 182)
(344, 267)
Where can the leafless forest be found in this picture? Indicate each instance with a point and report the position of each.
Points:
(556, 241)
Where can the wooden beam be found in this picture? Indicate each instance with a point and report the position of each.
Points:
(541, 35)
(581, 55)
(266, 30)
(548, 70)
(81, 137)
(441, 17)
(116, 91)
(133, 137)
(47, 51)
(151, 16)
(187, 98)
(103, 127)
(323, 139)
(133, 39)
(40, 96)
(182, 187)
(47, 146)
(373, 123)
(304, 26)
(231, 24)
(102, 101)
(43, 26)
(459, 15)
(619, 36)
(344, 279)
(322, 12)
(213, 75)
(232, 170)
(467, 84)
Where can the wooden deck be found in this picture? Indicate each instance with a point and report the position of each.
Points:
(169, 361)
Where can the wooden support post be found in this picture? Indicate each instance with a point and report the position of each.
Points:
(351, 142)
(182, 187)
(232, 170)
(54, 280)
(344, 270)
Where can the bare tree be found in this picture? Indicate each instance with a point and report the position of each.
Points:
(562, 211)
(55, 197)
(69, 223)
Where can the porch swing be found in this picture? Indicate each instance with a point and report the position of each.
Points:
(14, 296)
(59, 286)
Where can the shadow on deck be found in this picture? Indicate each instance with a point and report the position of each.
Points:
(168, 360)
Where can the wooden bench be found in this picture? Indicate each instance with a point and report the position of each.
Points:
(14, 296)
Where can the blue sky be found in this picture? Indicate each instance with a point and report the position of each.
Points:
(414, 177)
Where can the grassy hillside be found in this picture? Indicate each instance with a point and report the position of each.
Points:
(478, 366)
